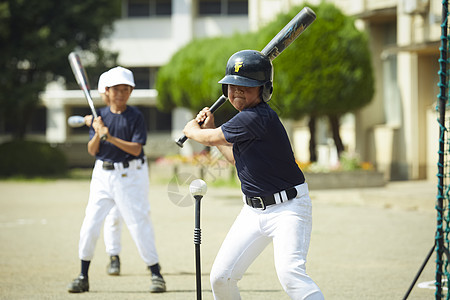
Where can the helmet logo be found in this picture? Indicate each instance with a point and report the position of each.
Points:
(238, 65)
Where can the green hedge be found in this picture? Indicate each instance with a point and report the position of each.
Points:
(31, 159)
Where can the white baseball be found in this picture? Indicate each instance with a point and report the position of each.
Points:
(198, 187)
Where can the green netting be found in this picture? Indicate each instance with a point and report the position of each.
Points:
(442, 202)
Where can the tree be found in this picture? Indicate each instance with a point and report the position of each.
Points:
(190, 79)
(326, 72)
(35, 40)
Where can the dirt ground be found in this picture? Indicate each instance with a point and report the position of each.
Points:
(366, 243)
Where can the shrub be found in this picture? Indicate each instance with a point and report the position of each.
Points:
(31, 159)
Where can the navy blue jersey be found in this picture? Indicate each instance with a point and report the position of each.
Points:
(128, 125)
(264, 159)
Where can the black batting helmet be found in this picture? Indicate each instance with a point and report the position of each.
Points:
(249, 68)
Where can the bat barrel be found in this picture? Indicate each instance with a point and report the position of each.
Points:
(81, 77)
(78, 70)
(289, 33)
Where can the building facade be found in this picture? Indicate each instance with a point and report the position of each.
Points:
(397, 131)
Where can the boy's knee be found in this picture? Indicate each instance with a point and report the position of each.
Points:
(219, 280)
(222, 280)
(298, 285)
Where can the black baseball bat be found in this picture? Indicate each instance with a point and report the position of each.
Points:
(278, 44)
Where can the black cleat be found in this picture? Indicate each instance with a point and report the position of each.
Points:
(79, 285)
(114, 266)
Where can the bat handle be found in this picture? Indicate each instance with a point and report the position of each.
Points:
(181, 141)
(212, 109)
(94, 113)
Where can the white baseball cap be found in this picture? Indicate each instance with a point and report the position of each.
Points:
(119, 75)
(102, 82)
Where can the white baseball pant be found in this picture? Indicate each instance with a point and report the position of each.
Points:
(112, 232)
(288, 225)
(127, 188)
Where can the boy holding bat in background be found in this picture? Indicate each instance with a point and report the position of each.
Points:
(113, 221)
(277, 206)
(120, 178)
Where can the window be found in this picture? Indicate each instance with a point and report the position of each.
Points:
(237, 7)
(163, 8)
(148, 8)
(141, 78)
(138, 8)
(38, 122)
(157, 121)
(144, 78)
(223, 7)
(209, 7)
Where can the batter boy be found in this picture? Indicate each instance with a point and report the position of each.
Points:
(277, 204)
(113, 222)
